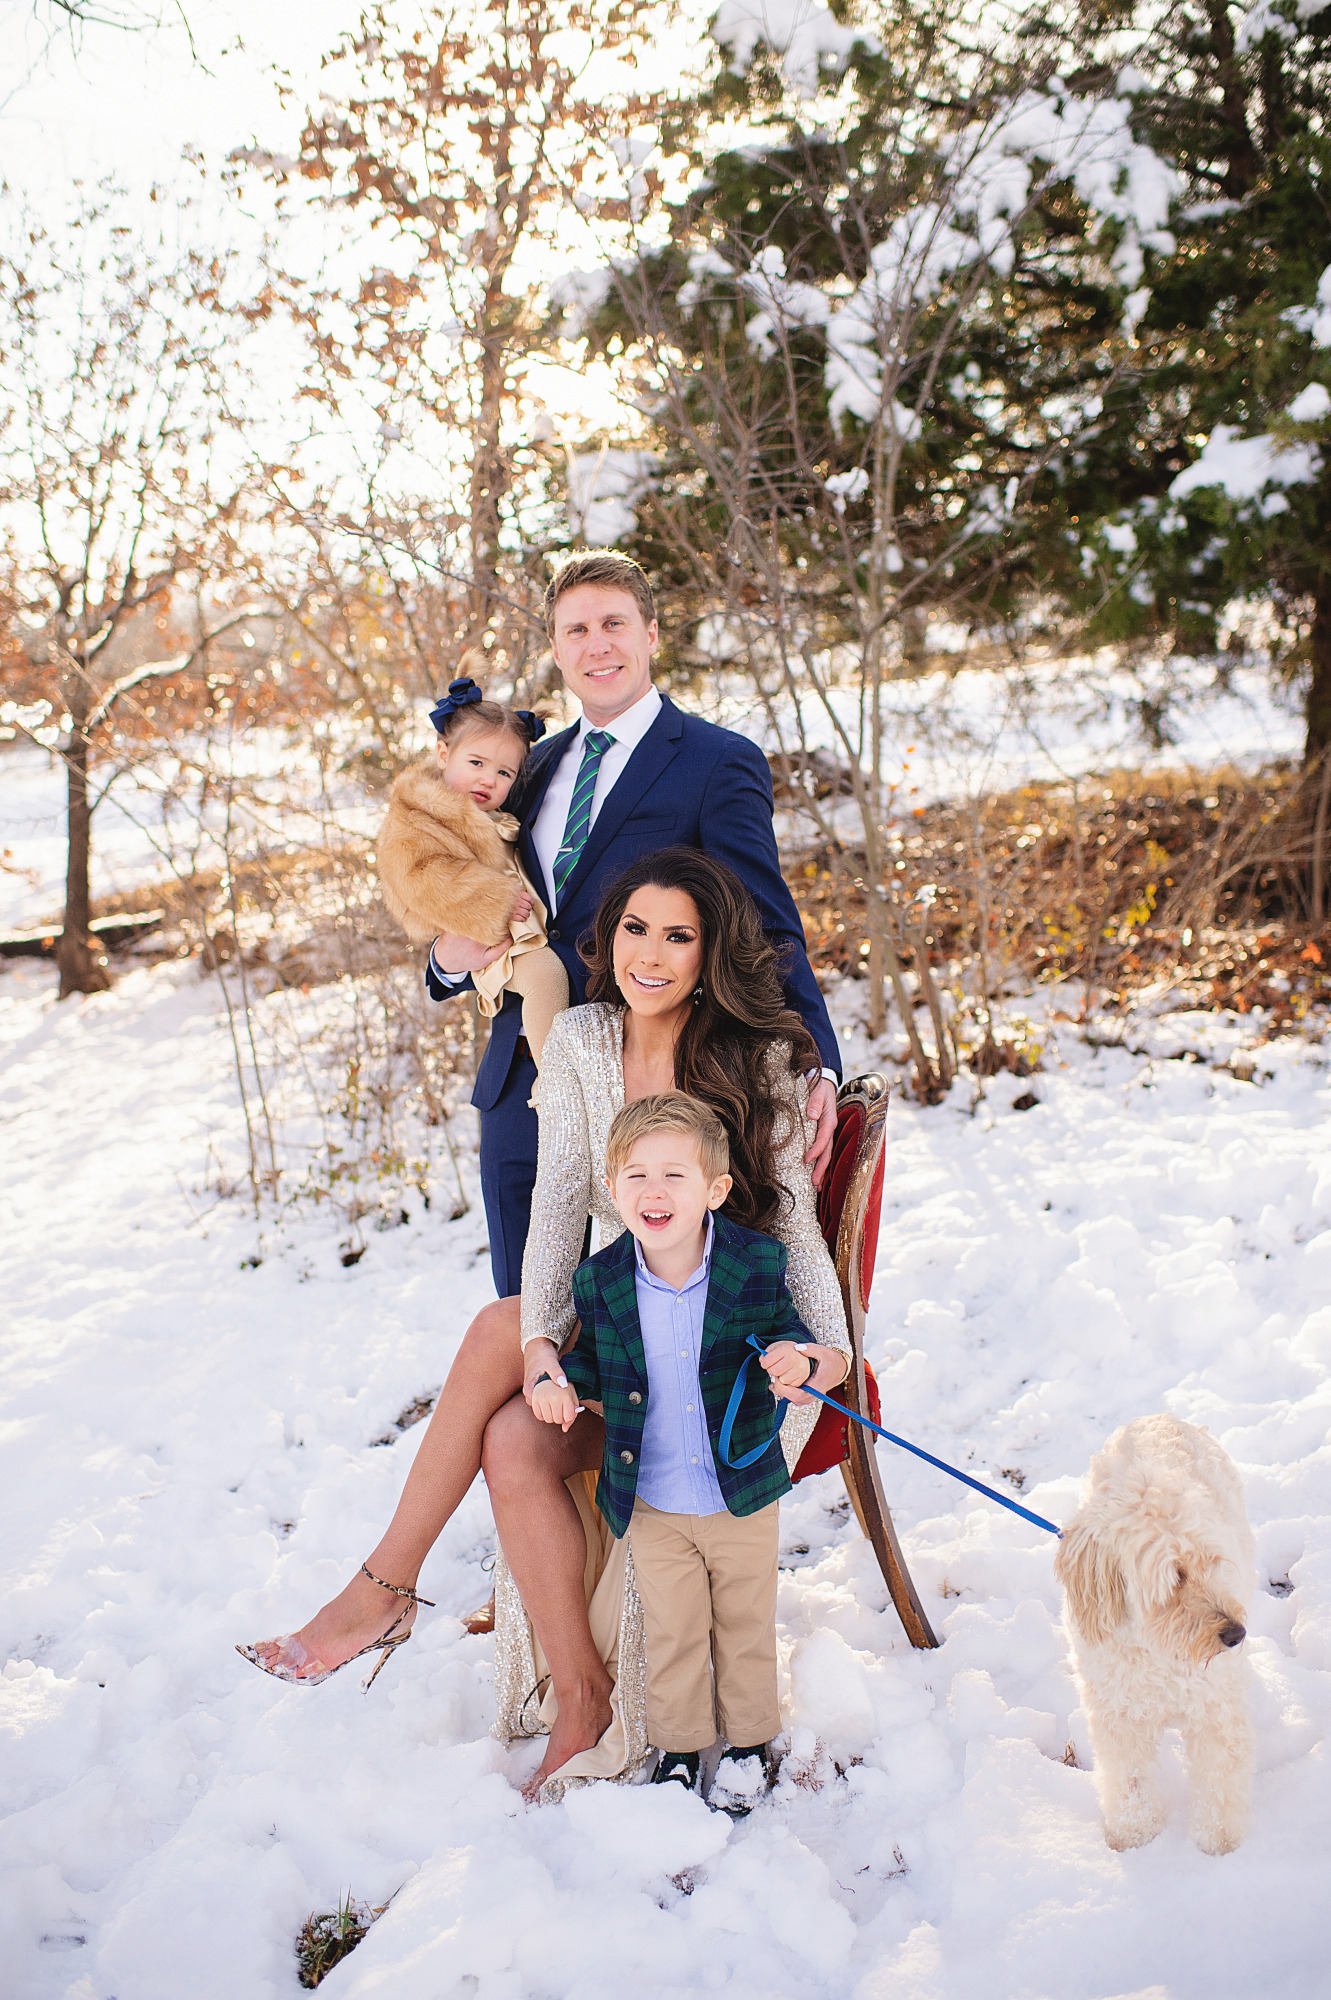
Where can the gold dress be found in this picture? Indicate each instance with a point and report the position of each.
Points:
(582, 1088)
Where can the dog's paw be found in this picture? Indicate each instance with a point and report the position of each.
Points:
(1131, 1833)
(1139, 1819)
(1217, 1836)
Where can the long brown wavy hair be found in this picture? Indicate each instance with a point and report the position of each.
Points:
(722, 1055)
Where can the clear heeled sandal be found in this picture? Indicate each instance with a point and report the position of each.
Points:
(293, 1657)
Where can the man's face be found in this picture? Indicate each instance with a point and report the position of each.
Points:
(603, 647)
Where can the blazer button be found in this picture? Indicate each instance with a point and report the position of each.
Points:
(634, 1396)
(626, 1457)
(553, 932)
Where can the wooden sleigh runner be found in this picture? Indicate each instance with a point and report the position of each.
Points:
(849, 1207)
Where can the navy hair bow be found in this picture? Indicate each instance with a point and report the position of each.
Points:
(461, 694)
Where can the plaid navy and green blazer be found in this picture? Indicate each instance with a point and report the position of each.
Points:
(746, 1293)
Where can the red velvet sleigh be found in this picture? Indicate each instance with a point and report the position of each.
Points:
(849, 1206)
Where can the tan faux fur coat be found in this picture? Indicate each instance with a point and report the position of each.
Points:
(444, 864)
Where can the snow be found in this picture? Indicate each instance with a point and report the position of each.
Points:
(603, 488)
(580, 296)
(844, 486)
(703, 263)
(804, 36)
(1315, 319)
(1121, 536)
(1265, 19)
(1247, 467)
(1311, 404)
(955, 734)
(147, 818)
(190, 1462)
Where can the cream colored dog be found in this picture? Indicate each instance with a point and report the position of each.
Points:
(1158, 1569)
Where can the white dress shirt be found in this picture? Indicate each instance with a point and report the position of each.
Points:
(628, 730)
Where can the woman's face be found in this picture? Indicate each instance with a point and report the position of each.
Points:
(658, 951)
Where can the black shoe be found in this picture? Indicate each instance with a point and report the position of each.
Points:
(743, 1777)
(678, 1767)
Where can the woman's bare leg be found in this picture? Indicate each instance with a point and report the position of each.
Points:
(525, 1464)
(487, 1371)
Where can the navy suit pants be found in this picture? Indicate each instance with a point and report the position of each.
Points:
(508, 1174)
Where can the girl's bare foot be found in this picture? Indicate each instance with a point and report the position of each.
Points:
(352, 1620)
(584, 1716)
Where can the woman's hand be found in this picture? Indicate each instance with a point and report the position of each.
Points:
(787, 1365)
(540, 1357)
(522, 908)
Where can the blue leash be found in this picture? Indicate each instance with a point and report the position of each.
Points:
(751, 1457)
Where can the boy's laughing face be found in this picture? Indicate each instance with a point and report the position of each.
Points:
(663, 1194)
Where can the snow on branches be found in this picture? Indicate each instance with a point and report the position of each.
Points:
(1265, 19)
(1247, 468)
(805, 38)
(989, 174)
(604, 488)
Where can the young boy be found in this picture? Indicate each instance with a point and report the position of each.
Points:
(665, 1314)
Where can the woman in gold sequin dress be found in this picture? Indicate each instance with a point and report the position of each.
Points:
(684, 994)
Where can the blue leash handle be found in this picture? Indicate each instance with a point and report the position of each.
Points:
(732, 1411)
(749, 1458)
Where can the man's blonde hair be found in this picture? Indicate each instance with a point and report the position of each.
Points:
(670, 1111)
(608, 568)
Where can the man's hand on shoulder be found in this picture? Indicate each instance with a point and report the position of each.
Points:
(455, 955)
(821, 1110)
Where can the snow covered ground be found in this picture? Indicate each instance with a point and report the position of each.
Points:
(190, 1460)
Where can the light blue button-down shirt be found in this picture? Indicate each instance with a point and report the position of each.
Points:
(676, 1471)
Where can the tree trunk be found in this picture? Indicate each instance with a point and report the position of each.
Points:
(1317, 746)
(877, 1023)
(82, 966)
(488, 480)
(1318, 710)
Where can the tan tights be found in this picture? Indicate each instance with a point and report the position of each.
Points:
(540, 978)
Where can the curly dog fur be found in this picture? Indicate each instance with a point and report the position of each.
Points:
(1158, 1569)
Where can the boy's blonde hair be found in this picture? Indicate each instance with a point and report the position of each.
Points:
(669, 1111)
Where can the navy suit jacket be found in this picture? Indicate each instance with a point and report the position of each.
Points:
(688, 784)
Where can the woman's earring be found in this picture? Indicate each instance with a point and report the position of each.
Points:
(697, 994)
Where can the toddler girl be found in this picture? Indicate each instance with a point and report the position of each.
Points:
(448, 861)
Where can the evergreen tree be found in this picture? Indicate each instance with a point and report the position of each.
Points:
(1216, 458)
(885, 350)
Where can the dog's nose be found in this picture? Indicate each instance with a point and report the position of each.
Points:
(1233, 1634)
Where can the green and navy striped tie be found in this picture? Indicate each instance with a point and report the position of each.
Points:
(578, 824)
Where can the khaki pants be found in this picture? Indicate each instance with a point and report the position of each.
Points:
(708, 1589)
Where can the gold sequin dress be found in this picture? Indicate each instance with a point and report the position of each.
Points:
(582, 1088)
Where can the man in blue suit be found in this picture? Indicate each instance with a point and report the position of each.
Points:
(633, 776)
